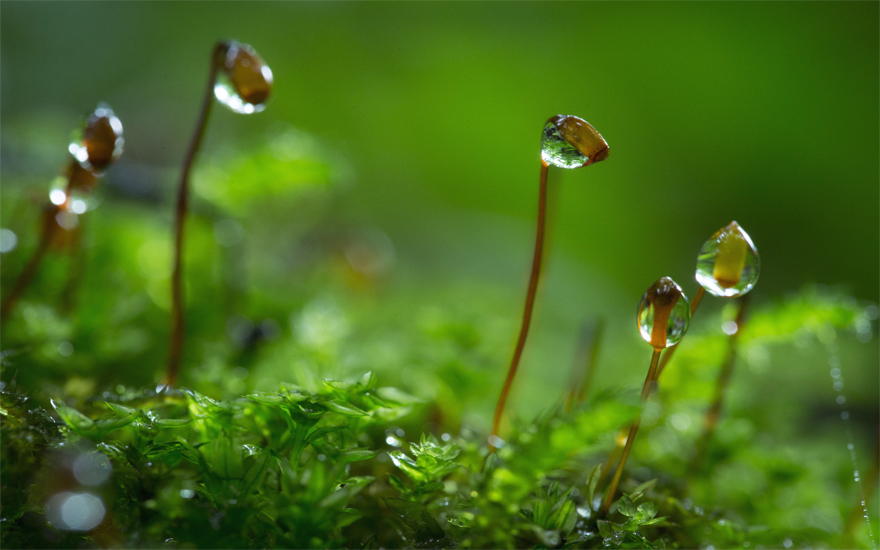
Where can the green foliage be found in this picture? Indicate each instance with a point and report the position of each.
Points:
(263, 470)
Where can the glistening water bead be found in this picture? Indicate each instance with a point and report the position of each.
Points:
(571, 142)
(664, 314)
(728, 264)
(244, 82)
(99, 142)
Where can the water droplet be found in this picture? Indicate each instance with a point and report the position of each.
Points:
(245, 81)
(445, 437)
(844, 415)
(187, 493)
(78, 206)
(838, 385)
(664, 314)
(841, 400)
(99, 142)
(92, 468)
(8, 241)
(496, 441)
(571, 142)
(75, 511)
(680, 421)
(728, 263)
(729, 328)
(787, 543)
(65, 349)
(57, 196)
(393, 441)
(67, 220)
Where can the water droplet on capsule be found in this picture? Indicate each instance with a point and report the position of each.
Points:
(99, 142)
(244, 82)
(8, 242)
(664, 314)
(728, 264)
(571, 142)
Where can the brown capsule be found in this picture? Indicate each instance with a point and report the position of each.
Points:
(571, 142)
(99, 143)
(245, 82)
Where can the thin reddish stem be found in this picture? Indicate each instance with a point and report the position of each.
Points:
(30, 269)
(530, 301)
(177, 299)
(670, 351)
(646, 391)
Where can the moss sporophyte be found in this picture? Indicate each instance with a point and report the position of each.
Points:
(93, 147)
(728, 265)
(663, 318)
(567, 142)
(241, 81)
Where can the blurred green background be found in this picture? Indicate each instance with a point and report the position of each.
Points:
(761, 112)
(431, 115)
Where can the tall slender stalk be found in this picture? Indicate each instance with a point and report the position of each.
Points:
(567, 142)
(663, 318)
(47, 233)
(177, 299)
(530, 302)
(30, 269)
(646, 391)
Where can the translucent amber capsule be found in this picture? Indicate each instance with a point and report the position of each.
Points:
(245, 81)
(664, 314)
(99, 142)
(571, 142)
(728, 264)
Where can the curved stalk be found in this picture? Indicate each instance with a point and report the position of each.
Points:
(530, 301)
(30, 269)
(646, 391)
(177, 314)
